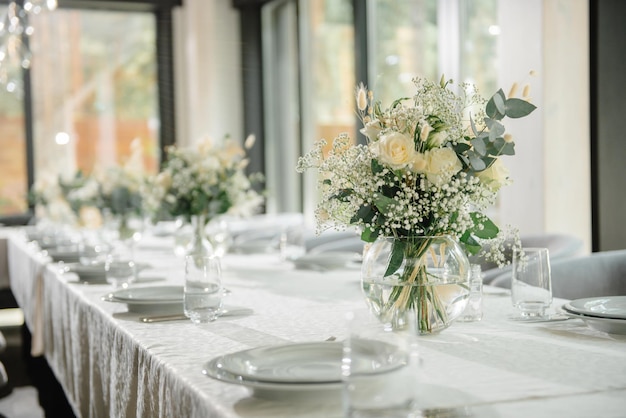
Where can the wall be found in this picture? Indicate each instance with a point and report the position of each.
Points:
(551, 171)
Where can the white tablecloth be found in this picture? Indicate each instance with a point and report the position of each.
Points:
(112, 365)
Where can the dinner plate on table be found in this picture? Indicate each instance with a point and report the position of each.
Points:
(609, 325)
(328, 261)
(613, 307)
(149, 299)
(87, 273)
(297, 366)
(66, 256)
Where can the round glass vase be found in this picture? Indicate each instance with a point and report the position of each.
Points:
(199, 245)
(422, 281)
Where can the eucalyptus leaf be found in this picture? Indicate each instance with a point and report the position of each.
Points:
(479, 146)
(477, 163)
(495, 106)
(518, 108)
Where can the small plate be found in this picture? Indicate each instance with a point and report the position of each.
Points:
(604, 307)
(150, 299)
(93, 273)
(306, 363)
(608, 325)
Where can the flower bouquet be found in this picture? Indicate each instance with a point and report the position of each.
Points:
(205, 181)
(430, 168)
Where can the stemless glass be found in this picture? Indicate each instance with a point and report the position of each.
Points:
(203, 288)
(381, 369)
(531, 287)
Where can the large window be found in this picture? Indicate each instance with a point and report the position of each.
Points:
(79, 85)
(13, 185)
(94, 89)
(404, 39)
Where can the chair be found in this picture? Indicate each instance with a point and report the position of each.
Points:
(561, 246)
(598, 274)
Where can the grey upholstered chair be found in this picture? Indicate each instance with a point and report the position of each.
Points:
(560, 246)
(598, 274)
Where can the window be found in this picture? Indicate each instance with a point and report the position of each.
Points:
(95, 92)
(405, 38)
(13, 185)
(100, 77)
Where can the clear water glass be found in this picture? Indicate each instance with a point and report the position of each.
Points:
(531, 286)
(120, 272)
(381, 369)
(292, 245)
(474, 309)
(203, 292)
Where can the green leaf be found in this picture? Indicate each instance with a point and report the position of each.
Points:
(383, 203)
(396, 257)
(479, 146)
(495, 106)
(518, 108)
(471, 245)
(369, 235)
(342, 195)
(461, 148)
(365, 214)
(488, 230)
(477, 163)
(473, 125)
(376, 167)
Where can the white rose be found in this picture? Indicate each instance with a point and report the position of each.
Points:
(442, 165)
(419, 163)
(396, 150)
(496, 176)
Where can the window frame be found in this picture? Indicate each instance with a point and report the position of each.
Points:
(162, 10)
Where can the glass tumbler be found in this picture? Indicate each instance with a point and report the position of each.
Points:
(531, 286)
(203, 292)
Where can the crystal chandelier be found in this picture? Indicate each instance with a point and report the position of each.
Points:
(15, 29)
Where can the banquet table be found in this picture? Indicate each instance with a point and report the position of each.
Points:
(110, 364)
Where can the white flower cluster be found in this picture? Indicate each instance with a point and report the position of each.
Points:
(207, 179)
(430, 166)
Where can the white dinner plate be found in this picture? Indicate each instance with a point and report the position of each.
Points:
(66, 256)
(604, 307)
(150, 299)
(92, 273)
(609, 325)
(328, 260)
(315, 362)
(212, 369)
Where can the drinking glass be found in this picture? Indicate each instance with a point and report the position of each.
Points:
(121, 271)
(380, 369)
(292, 244)
(531, 288)
(203, 288)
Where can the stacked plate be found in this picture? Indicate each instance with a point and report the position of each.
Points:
(606, 314)
(87, 273)
(297, 366)
(151, 299)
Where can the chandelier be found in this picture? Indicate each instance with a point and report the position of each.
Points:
(15, 30)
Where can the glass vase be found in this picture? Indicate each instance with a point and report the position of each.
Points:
(199, 245)
(422, 281)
